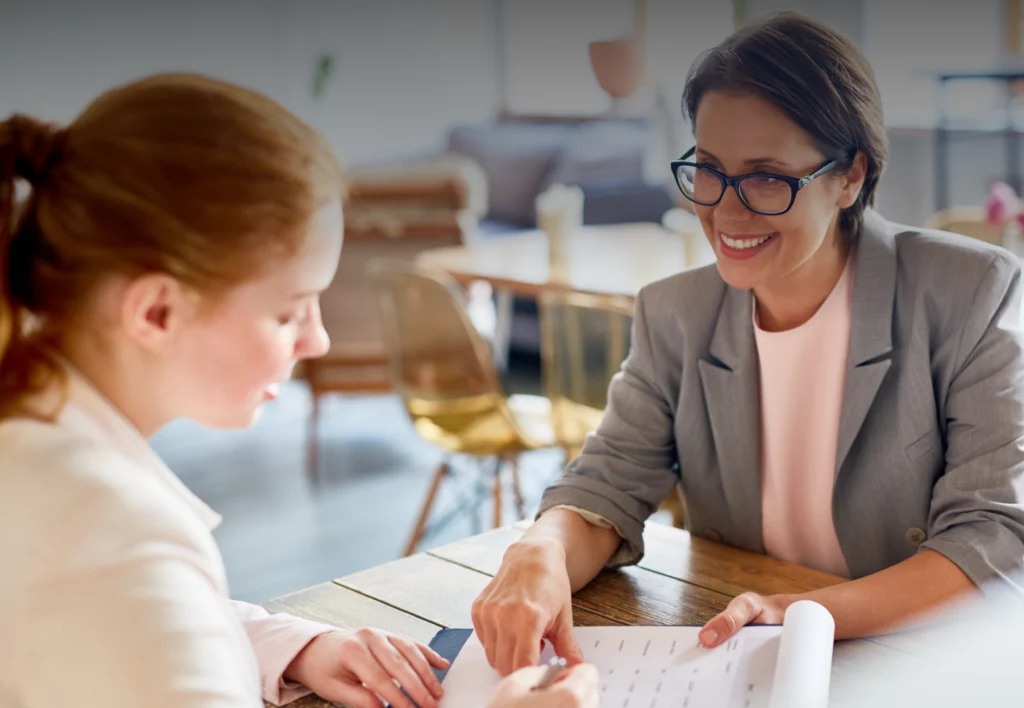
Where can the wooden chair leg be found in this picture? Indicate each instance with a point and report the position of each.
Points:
(498, 467)
(517, 490)
(674, 504)
(428, 504)
(313, 442)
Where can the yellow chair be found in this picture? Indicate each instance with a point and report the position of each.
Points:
(584, 340)
(967, 221)
(443, 370)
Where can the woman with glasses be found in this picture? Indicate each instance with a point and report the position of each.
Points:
(837, 391)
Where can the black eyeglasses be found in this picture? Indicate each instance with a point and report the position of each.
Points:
(763, 193)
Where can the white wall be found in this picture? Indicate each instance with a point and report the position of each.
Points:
(547, 57)
(907, 42)
(847, 16)
(404, 70)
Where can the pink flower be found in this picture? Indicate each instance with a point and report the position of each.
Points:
(1001, 205)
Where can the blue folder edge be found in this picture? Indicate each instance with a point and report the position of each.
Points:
(448, 643)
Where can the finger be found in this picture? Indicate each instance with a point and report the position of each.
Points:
(488, 630)
(349, 695)
(585, 679)
(579, 685)
(433, 658)
(563, 641)
(526, 651)
(369, 671)
(581, 676)
(565, 696)
(505, 648)
(481, 629)
(526, 678)
(398, 668)
(416, 655)
(739, 613)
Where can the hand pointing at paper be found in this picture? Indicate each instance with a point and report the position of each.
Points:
(529, 602)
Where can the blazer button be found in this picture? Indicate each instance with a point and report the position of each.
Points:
(916, 536)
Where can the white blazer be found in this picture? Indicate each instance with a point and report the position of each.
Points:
(112, 590)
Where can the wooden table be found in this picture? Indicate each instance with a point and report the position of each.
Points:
(617, 260)
(681, 580)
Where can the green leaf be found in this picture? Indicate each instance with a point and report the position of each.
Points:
(323, 72)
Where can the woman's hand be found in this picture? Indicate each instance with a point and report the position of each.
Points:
(576, 689)
(748, 608)
(530, 599)
(359, 668)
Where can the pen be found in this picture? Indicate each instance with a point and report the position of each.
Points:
(553, 670)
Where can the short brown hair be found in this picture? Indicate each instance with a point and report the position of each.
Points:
(176, 173)
(820, 79)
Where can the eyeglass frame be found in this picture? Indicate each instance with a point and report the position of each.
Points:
(795, 183)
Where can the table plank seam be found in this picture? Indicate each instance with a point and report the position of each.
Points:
(588, 608)
(638, 565)
(592, 611)
(393, 606)
(686, 582)
(432, 554)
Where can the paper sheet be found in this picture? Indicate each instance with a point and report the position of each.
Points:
(662, 667)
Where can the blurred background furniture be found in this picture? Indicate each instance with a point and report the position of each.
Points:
(442, 368)
(968, 221)
(613, 259)
(609, 158)
(393, 212)
(584, 340)
(1008, 123)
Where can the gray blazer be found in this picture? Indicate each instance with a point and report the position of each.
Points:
(931, 439)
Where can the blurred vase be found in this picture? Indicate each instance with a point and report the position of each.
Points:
(618, 65)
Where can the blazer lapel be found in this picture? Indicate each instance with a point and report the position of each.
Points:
(730, 379)
(874, 292)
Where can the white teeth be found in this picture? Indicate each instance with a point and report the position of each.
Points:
(740, 244)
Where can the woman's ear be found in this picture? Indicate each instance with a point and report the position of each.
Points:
(853, 181)
(153, 307)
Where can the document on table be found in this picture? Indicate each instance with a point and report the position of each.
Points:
(776, 666)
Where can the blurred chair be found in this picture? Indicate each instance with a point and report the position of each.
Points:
(443, 370)
(393, 212)
(967, 221)
(584, 340)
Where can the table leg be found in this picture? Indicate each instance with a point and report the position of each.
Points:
(503, 300)
(499, 465)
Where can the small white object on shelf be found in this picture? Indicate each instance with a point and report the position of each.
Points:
(559, 216)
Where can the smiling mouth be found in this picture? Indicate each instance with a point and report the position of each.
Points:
(747, 242)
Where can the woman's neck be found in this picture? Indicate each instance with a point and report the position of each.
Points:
(124, 384)
(790, 302)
